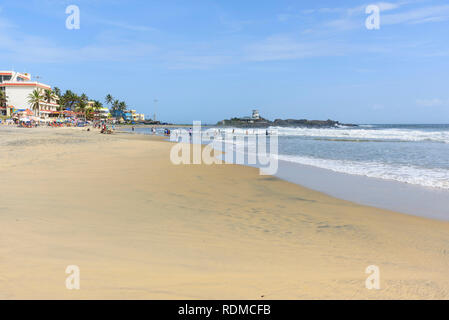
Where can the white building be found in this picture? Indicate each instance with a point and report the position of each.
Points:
(256, 115)
(103, 113)
(17, 87)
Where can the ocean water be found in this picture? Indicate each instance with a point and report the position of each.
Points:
(413, 154)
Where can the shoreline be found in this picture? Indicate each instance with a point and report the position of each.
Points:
(141, 228)
(410, 199)
(415, 200)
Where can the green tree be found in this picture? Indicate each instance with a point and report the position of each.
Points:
(109, 99)
(84, 97)
(91, 111)
(115, 107)
(81, 104)
(57, 92)
(34, 99)
(122, 106)
(97, 105)
(3, 98)
(49, 95)
(70, 99)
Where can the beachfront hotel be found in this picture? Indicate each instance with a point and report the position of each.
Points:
(101, 113)
(137, 116)
(17, 87)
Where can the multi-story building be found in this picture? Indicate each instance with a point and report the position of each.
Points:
(101, 113)
(137, 116)
(17, 88)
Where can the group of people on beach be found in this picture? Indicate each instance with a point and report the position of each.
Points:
(32, 123)
(104, 127)
(20, 123)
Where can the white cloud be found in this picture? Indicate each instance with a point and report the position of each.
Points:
(189, 61)
(308, 11)
(421, 15)
(353, 18)
(343, 24)
(435, 102)
(123, 25)
(28, 48)
(284, 48)
(383, 6)
(287, 48)
(349, 18)
(233, 25)
(387, 6)
(16, 45)
(284, 16)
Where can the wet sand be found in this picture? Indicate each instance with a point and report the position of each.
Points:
(402, 197)
(139, 227)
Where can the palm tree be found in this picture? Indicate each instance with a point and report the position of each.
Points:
(81, 104)
(90, 113)
(49, 95)
(59, 100)
(122, 106)
(115, 104)
(115, 108)
(97, 105)
(84, 97)
(70, 99)
(34, 99)
(81, 107)
(109, 99)
(61, 106)
(3, 98)
(57, 91)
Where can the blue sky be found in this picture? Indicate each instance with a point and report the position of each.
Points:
(209, 60)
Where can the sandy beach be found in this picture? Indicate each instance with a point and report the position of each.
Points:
(140, 227)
